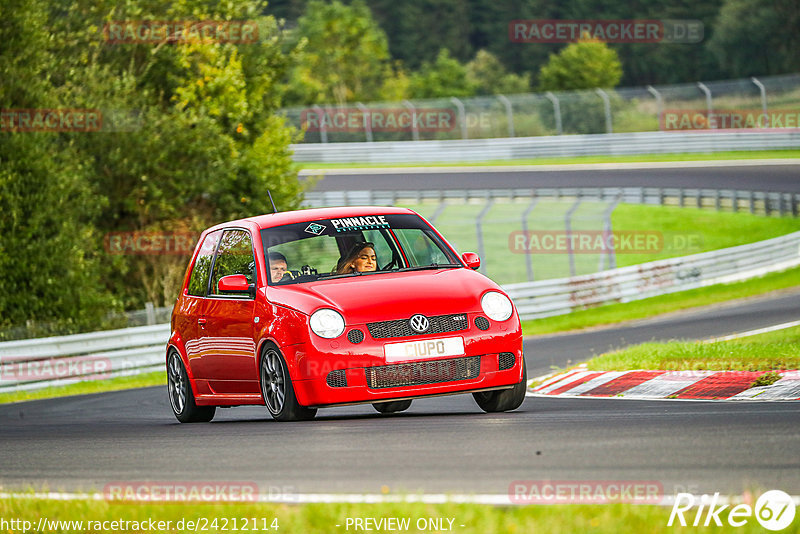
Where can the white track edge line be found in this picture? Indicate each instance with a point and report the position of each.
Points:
(755, 332)
(362, 498)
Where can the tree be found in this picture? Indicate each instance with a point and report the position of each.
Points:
(443, 78)
(586, 64)
(579, 67)
(190, 137)
(48, 264)
(755, 37)
(418, 29)
(344, 57)
(490, 77)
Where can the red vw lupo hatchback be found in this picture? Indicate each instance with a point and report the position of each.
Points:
(422, 323)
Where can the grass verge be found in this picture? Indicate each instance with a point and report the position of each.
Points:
(639, 158)
(654, 306)
(777, 350)
(319, 518)
(686, 231)
(156, 378)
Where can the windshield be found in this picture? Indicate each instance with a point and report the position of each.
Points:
(352, 246)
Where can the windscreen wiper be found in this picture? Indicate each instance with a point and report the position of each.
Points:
(331, 276)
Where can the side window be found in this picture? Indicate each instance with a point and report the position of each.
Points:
(198, 280)
(235, 256)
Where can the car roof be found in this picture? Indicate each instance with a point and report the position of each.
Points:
(315, 214)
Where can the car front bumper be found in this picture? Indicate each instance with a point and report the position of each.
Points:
(334, 372)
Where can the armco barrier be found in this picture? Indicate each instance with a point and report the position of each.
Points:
(550, 146)
(142, 349)
(37, 363)
(554, 297)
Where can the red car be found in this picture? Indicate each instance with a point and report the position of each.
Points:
(325, 307)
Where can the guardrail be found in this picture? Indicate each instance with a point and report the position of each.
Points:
(545, 298)
(36, 363)
(62, 360)
(550, 146)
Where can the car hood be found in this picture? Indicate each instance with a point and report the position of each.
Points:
(386, 296)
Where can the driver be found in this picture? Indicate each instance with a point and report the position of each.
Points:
(278, 267)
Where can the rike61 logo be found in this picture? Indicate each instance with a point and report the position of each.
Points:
(774, 510)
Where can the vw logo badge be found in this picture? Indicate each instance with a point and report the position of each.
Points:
(419, 323)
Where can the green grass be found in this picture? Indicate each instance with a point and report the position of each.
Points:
(156, 378)
(651, 307)
(690, 230)
(323, 518)
(734, 155)
(777, 350)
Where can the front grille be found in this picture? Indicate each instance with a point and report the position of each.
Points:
(420, 373)
(505, 360)
(400, 327)
(337, 379)
(482, 323)
(355, 336)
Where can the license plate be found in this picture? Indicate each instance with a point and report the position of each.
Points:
(423, 349)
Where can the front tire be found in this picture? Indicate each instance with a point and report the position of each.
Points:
(505, 399)
(392, 407)
(277, 390)
(180, 393)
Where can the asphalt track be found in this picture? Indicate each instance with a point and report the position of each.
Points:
(445, 444)
(747, 176)
(440, 445)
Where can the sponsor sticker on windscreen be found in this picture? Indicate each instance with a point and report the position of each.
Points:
(423, 349)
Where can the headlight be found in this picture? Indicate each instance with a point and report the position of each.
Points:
(497, 306)
(327, 323)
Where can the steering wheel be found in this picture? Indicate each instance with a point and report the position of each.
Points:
(391, 264)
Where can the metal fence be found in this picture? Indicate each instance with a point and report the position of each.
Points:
(756, 202)
(599, 111)
(537, 234)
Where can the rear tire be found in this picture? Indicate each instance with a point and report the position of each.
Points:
(181, 398)
(506, 399)
(277, 389)
(392, 407)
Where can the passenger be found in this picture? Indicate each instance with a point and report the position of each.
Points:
(360, 259)
(278, 267)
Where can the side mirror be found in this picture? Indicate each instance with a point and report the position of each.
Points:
(236, 283)
(472, 260)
